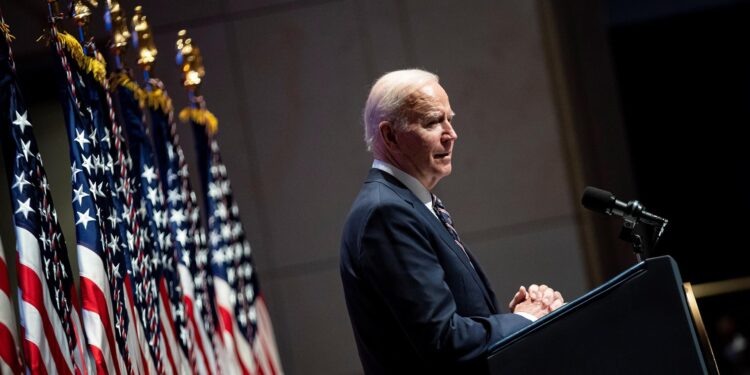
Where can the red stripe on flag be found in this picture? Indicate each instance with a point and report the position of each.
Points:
(8, 349)
(198, 339)
(169, 352)
(269, 357)
(7, 342)
(164, 295)
(265, 335)
(226, 318)
(94, 300)
(78, 328)
(34, 359)
(133, 313)
(4, 285)
(32, 293)
(101, 364)
(258, 368)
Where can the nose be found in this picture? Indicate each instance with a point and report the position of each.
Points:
(449, 132)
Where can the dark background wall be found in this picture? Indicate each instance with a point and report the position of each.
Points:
(551, 96)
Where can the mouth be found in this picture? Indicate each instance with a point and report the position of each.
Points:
(442, 155)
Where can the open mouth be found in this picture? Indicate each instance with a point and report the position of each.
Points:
(442, 155)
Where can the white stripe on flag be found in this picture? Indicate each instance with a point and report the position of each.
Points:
(132, 344)
(243, 348)
(188, 292)
(230, 364)
(34, 333)
(239, 345)
(28, 255)
(6, 314)
(90, 267)
(135, 324)
(8, 320)
(168, 328)
(94, 333)
(77, 357)
(5, 369)
(266, 333)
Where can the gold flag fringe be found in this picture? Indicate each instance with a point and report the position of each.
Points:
(202, 117)
(123, 79)
(5, 29)
(90, 65)
(156, 99)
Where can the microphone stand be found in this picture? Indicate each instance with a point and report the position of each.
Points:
(630, 232)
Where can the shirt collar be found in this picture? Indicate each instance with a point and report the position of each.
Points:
(410, 181)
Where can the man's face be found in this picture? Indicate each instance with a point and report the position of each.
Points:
(425, 147)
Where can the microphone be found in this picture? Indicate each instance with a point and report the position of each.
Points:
(604, 202)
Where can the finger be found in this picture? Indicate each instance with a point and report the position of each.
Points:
(514, 301)
(547, 296)
(533, 290)
(520, 296)
(523, 292)
(559, 296)
(543, 288)
(555, 304)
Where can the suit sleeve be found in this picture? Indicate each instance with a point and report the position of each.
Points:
(399, 262)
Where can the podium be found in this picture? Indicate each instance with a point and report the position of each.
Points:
(638, 322)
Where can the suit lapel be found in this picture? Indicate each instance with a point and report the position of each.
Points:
(441, 230)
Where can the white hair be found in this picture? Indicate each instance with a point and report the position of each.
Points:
(388, 99)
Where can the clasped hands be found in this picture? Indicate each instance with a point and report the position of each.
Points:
(538, 300)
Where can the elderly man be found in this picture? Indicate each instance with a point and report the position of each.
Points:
(418, 300)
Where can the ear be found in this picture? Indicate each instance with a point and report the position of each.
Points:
(388, 134)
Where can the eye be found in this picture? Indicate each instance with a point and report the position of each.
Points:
(432, 122)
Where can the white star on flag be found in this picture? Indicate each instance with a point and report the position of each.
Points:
(74, 171)
(182, 238)
(26, 146)
(149, 174)
(87, 164)
(21, 121)
(177, 217)
(24, 208)
(152, 195)
(79, 194)
(84, 218)
(81, 138)
(20, 182)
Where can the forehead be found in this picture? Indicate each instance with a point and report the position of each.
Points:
(428, 99)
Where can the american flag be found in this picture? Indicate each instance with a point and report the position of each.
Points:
(243, 317)
(123, 235)
(9, 360)
(101, 256)
(185, 230)
(157, 244)
(160, 109)
(143, 303)
(53, 339)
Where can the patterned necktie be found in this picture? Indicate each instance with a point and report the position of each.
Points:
(445, 217)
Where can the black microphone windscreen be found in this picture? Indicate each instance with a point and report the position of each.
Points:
(597, 199)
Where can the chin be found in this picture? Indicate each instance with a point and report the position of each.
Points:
(444, 170)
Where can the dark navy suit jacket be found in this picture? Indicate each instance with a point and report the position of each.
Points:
(416, 302)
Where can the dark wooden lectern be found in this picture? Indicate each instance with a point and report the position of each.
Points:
(637, 323)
